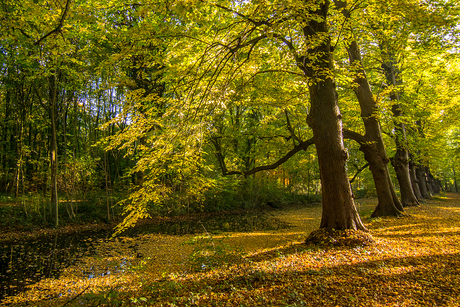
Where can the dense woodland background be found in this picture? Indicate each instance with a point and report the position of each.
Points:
(126, 108)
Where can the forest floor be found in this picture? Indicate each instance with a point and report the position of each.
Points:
(414, 261)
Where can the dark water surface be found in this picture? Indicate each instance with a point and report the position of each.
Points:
(25, 262)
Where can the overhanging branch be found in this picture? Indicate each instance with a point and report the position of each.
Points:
(348, 134)
(296, 149)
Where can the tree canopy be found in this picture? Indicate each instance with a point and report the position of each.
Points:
(187, 104)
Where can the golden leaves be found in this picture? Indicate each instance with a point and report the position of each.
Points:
(350, 238)
(414, 261)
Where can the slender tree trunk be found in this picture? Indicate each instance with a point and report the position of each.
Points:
(53, 151)
(69, 204)
(74, 151)
(20, 162)
(106, 173)
(6, 127)
(455, 178)
(17, 173)
(45, 172)
(400, 161)
(25, 205)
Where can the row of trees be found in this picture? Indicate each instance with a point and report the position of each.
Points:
(185, 103)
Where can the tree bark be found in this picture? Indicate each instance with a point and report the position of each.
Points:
(455, 178)
(372, 144)
(339, 211)
(433, 184)
(53, 151)
(414, 180)
(421, 176)
(400, 161)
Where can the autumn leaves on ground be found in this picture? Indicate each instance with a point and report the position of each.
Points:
(414, 261)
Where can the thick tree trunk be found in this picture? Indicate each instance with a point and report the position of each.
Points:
(414, 181)
(339, 211)
(372, 143)
(421, 176)
(388, 204)
(433, 184)
(401, 165)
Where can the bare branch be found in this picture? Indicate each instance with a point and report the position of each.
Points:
(296, 149)
(358, 171)
(348, 134)
(289, 126)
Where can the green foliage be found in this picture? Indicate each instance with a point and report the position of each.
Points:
(34, 211)
(110, 297)
(180, 98)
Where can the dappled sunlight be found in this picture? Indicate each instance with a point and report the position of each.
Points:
(414, 261)
(451, 210)
(396, 227)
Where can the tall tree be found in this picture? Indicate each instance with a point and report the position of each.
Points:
(339, 211)
(300, 33)
(371, 143)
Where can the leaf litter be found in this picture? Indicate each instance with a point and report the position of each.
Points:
(413, 261)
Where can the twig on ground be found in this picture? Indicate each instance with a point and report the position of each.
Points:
(75, 297)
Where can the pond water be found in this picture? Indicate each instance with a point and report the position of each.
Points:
(25, 262)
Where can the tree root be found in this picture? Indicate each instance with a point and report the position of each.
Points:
(349, 238)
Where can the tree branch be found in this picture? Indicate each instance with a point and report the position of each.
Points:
(59, 26)
(289, 126)
(348, 134)
(251, 43)
(254, 22)
(296, 149)
(23, 32)
(267, 22)
(278, 70)
(359, 170)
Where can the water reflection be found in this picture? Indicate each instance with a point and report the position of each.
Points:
(25, 262)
